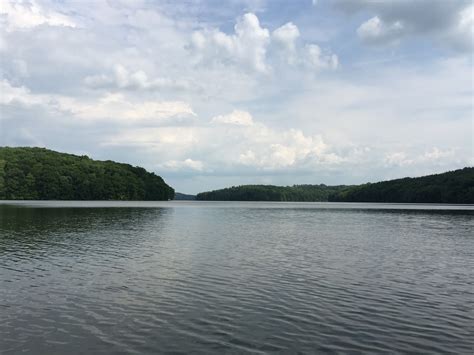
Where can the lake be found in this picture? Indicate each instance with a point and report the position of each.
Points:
(235, 277)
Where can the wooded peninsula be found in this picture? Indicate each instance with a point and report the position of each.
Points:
(42, 174)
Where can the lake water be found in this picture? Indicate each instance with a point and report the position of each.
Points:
(215, 277)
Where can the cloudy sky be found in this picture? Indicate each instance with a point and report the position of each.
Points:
(215, 93)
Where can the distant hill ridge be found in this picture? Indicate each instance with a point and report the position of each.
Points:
(451, 187)
(299, 193)
(184, 197)
(42, 174)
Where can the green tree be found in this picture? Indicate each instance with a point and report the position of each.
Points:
(37, 173)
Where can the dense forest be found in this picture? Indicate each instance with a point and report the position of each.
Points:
(302, 193)
(42, 174)
(450, 187)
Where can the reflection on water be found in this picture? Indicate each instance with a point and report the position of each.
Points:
(60, 228)
(234, 277)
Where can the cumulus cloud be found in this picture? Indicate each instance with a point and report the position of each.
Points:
(22, 15)
(10, 94)
(278, 150)
(111, 107)
(316, 59)
(117, 107)
(248, 45)
(309, 55)
(435, 156)
(122, 78)
(251, 44)
(231, 141)
(375, 30)
(398, 158)
(448, 22)
(286, 36)
(292, 149)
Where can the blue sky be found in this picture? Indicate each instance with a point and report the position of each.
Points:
(209, 94)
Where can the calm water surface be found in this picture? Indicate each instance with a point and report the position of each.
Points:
(204, 277)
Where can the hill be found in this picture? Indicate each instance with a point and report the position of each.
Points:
(451, 187)
(42, 174)
(301, 193)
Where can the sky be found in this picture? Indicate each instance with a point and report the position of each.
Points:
(209, 94)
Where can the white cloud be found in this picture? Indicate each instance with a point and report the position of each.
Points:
(117, 107)
(252, 47)
(449, 23)
(398, 158)
(10, 94)
(166, 140)
(375, 30)
(294, 149)
(275, 149)
(317, 60)
(122, 78)
(184, 165)
(285, 40)
(462, 35)
(247, 158)
(286, 35)
(230, 145)
(437, 155)
(434, 156)
(110, 107)
(21, 15)
(247, 46)
(236, 117)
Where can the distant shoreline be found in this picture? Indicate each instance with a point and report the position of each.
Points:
(40, 174)
(373, 206)
(452, 187)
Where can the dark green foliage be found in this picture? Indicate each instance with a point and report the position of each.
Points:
(450, 187)
(37, 173)
(301, 193)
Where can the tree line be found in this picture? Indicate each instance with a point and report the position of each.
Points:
(451, 187)
(42, 174)
(300, 193)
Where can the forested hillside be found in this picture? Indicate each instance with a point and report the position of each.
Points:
(302, 193)
(184, 197)
(450, 187)
(37, 173)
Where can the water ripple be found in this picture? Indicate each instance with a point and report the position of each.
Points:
(257, 279)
